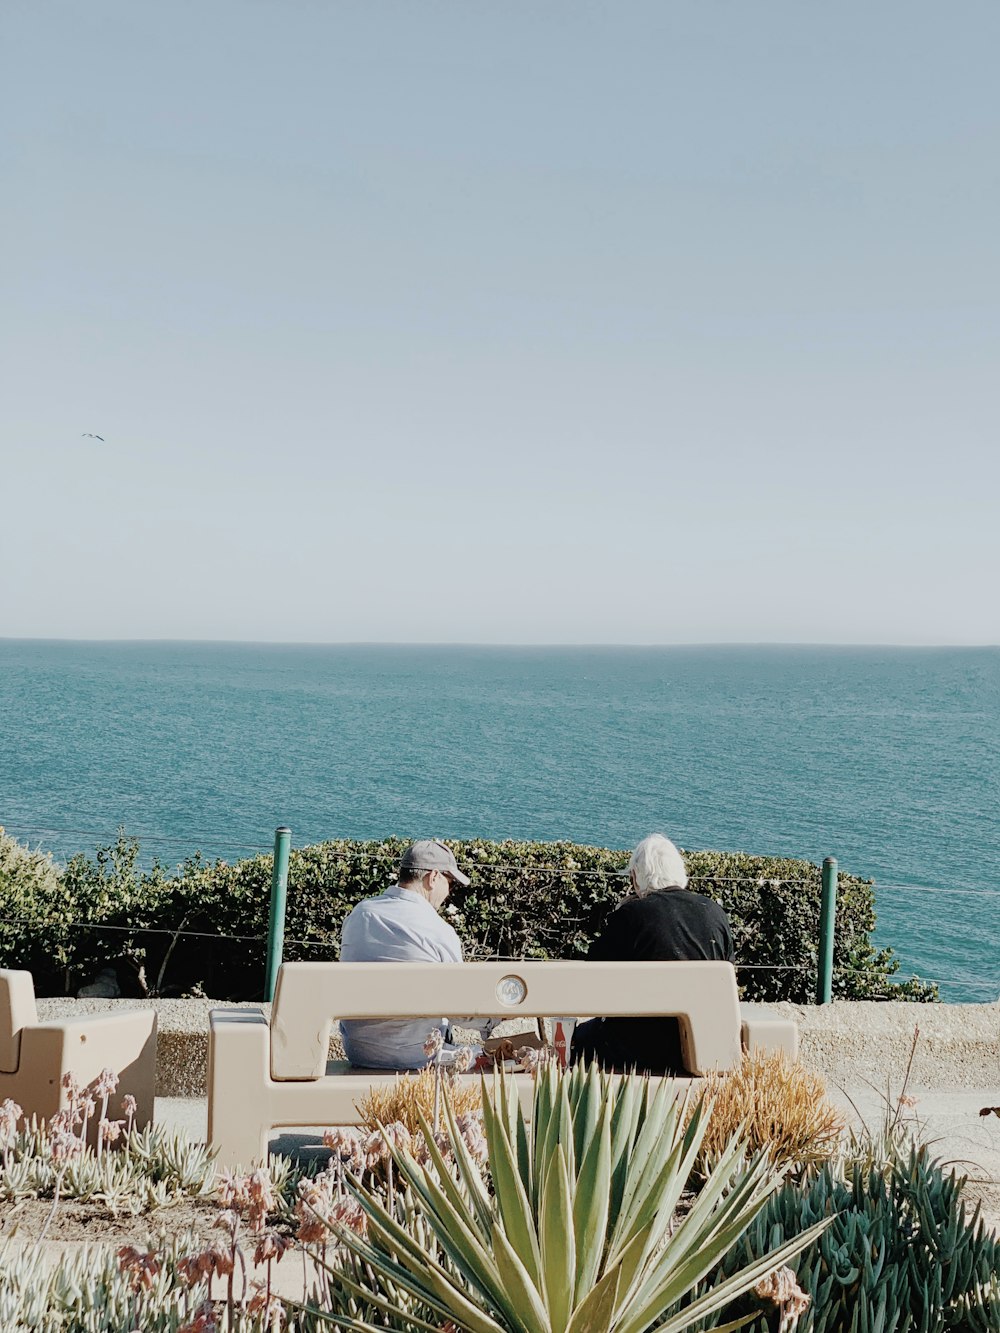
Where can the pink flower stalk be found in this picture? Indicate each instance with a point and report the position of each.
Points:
(105, 1083)
(271, 1246)
(103, 1086)
(9, 1110)
(189, 1269)
(251, 1196)
(234, 1191)
(470, 1126)
(63, 1144)
(87, 1108)
(376, 1150)
(342, 1141)
(399, 1136)
(314, 1198)
(443, 1143)
(110, 1130)
(216, 1261)
(262, 1302)
(227, 1220)
(10, 1118)
(349, 1213)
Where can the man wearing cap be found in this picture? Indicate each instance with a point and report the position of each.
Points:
(403, 925)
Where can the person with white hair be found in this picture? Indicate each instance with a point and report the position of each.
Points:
(661, 920)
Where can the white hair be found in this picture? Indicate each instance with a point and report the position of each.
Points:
(657, 864)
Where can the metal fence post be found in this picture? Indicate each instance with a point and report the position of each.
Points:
(827, 923)
(276, 914)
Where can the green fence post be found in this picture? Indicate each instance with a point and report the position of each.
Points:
(827, 923)
(276, 915)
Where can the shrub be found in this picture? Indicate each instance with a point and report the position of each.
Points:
(46, 913)
(32, 903)
(777, 1105)
(526, 900)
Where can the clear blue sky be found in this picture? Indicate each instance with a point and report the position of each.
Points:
(526, 322)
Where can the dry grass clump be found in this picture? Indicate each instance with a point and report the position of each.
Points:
(778, 1104)
(412, 1094)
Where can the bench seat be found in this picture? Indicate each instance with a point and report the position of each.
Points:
(35, 1057)
(266, 1076)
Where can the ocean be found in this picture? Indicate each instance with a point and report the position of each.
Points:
(886, 758)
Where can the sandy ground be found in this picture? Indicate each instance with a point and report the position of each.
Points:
(91, 1223)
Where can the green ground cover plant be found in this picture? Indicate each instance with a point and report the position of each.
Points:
(902, 1253)
(526, 900)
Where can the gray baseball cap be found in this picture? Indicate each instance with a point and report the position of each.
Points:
(429, 854)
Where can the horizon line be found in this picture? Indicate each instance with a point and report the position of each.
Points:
(499, 643)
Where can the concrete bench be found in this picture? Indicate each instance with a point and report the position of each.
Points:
(34, 1056)
(262, 1077)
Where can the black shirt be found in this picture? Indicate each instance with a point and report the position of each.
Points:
(671, 925)
(667, 925)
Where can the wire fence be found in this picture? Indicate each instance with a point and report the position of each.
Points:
(104, 927)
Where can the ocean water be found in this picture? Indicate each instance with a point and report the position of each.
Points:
(886, 758)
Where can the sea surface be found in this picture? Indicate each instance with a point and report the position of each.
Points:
(886, 758)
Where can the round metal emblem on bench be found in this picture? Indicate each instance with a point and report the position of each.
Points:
(511, 990)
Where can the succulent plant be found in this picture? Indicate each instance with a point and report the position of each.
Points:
(146, 1170)
(902, 1255)
(99, 1292)
(90, 1293)
(578, 1232)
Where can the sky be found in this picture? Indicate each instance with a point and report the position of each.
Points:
(550, 322)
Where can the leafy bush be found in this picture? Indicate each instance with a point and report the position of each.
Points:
(776, 1104)
(901, 1255)
(526, 900)
(46, 911)
(32, 903)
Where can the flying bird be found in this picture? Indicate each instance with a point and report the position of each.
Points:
(89, 435)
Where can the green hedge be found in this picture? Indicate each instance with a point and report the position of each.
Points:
(526, 900)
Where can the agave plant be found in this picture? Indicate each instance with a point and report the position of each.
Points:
(578, 1234)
